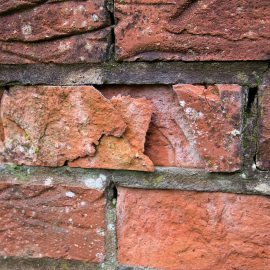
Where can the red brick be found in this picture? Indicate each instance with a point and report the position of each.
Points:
(9, 5)
(125, 152)
(192, 30)
(263, 160)
(52, 126)
(63, 32)
(84, 48)
(184, 230)
(213, 116)
(52, 221)
(52, 20)
(176, 138)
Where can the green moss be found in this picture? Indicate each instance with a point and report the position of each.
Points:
(18, 171)
(154, 180)
(64, 266)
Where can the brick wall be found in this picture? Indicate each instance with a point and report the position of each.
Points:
(134, 135)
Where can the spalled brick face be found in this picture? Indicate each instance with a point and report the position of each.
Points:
(52, 221)
(263, 160)
(192, 30)
(55, 31)
(192, 126)
(195, 231)
(213, 115)
(77, 126)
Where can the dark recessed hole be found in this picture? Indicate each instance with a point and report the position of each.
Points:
(252, 96)
(114, 192)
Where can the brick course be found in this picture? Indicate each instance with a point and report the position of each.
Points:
(52, 221)
(189, 230)
(192, 30)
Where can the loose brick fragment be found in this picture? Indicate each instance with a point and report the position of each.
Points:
(49, 125)
(58, 222)
(54, 126)
(192, 30)
(175, 230)
(125, 152)
(263, 158)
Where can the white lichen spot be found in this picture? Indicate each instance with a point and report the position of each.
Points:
(100, 256)
(100, 232)
(254, 167)
(235, 133)
(48, 181)
(243, 175)
(26, 29)
(81, 8)
(182, 103)
(98, 183)
(70, 194)
(88, 47)
(111, 227)
(264, 188)
(193, 114)
(83, 203)
(84, 24)
(64, 46)
(95, 17)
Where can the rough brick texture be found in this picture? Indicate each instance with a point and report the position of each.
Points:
(54, 126)
(213, 115)
(192, 30)
(125, 152)
(55, 31)
(263, 160)
(192, 126)
(193, 231)
(52, 221)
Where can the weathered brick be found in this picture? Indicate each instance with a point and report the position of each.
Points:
(213, 114)
(84, 48)
(195, 231)
(60, 32)
(10, 5)
(52, 20)
(177, 137)
(52, 126)
(63, 222)
(125, 152)
(263, 159)
(192, 30)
